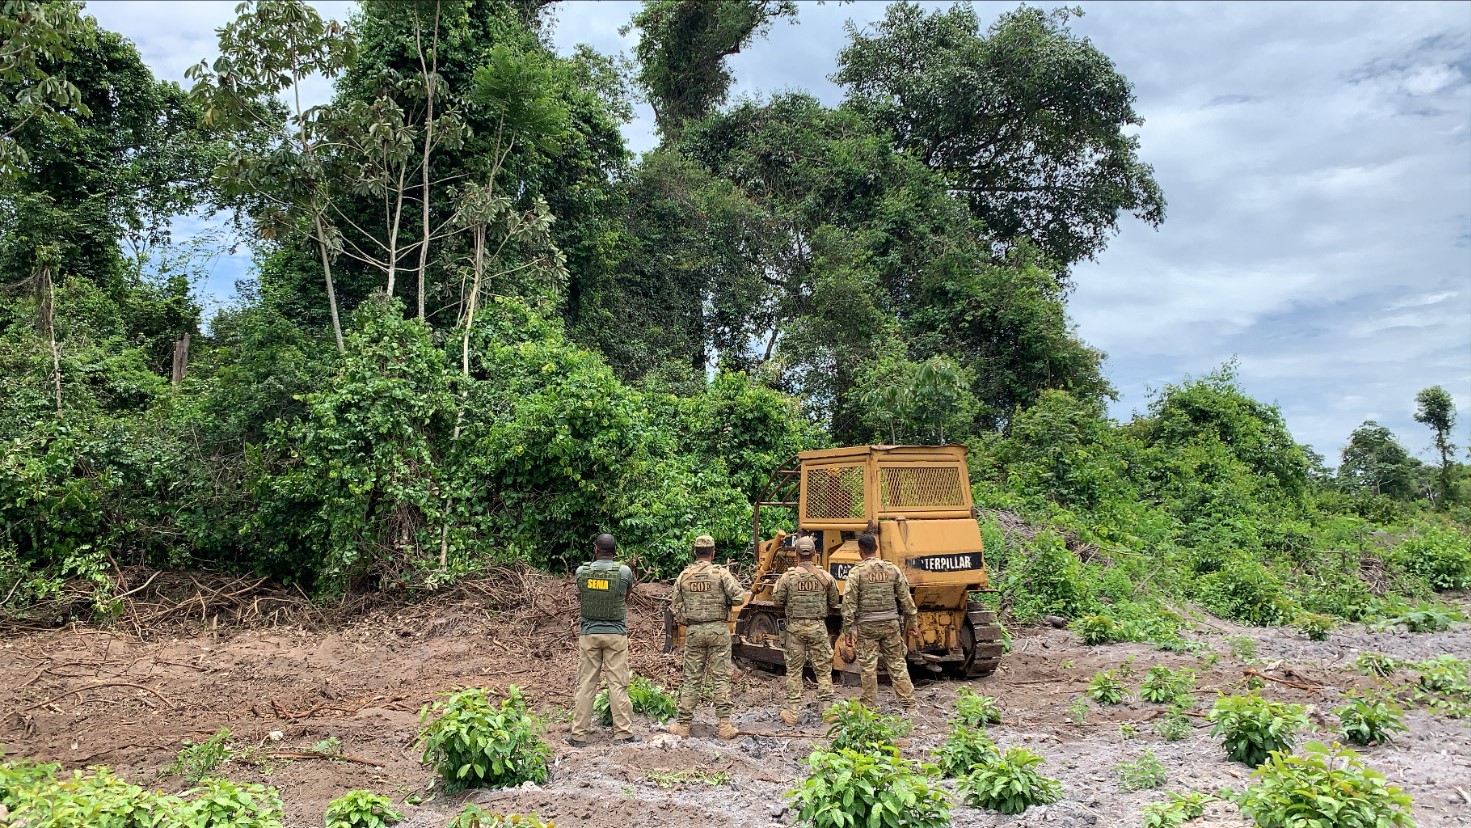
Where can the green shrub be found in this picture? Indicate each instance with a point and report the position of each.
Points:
(196, 761)
(1177, 810)
(1420, 620)
(1163, 685)
(644, 696)
(361, 809)
(1141, 774)
(1077, 710)
(1243, 647)
(973, 710)
(1050, 581)
(1244, 590)
(220, 803)
(1443, 674)
(1173, 726)
(87, 800)
(1097, 629)
(473, 743)
(1010, 783)
(1376, 664)
(1326, 788)
(1440, 556)
(964, 748)
(21, 779)
(1315, 626)
(846, 788)
(1253, 727)
(1105, 689)
(855, 726)
(474, 816)
(1369, 720)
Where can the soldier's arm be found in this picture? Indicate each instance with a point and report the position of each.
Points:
(850, 604)
(834, 598)
(625, 577)
(734, 592)
(676, 604)
(906, 600)
(779, 595)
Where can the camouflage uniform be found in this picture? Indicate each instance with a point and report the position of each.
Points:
(808, 594)
(876, 597)
(703, 596)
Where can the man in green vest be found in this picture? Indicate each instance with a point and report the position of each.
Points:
(603, 587)
(807, 594)
(873, 604)
(703, 595)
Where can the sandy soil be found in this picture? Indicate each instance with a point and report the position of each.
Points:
(85, 696)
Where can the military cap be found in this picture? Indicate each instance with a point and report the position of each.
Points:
(806, 545)
(704, 542)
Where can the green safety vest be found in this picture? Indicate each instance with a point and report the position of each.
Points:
(600, 586)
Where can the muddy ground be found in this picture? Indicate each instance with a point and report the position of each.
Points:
(129, 697)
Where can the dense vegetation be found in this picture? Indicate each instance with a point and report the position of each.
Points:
(479, 331)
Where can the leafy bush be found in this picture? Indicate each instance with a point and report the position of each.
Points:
(1376, 664)
(196, 761)
(1051, 581)
(1441, 556)
(855, 726)
(1243, 647)
(1369, 720)
(1142, 773)
(1244, 590)
(1421, 620)
(1326, 788)
(846, 788)
(1253, 727)
(1163, 685)
(1173, 726)
(964, 748)
(473, 743)
(1097, 629)
(361, 809)
(474, 816)
(1315, 626)
(644, 696)
(220, 803)
(973, 710)
(1105, 689)
(1177, 810)
(1010, 783)
(1442, 674)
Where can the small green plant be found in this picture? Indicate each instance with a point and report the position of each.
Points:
(1096, 629)
(1163, 685)
(1253, 727)
(845, 788)
(854, 726)
(1324, 788)
(1443, 674)
(1376, 664)
(474, 816)
(1209, 659)
(1010, 783)
(220, 803)
(330, 746)
(962, 750)
(196, 761)
(1077, 711)
(361, 809)
(668, 778)
(1369, 720)
(1127, 730)
(1106, 689)
(473, 743)
(1066, 665)
(1421, 620)
(1315, 626)
(1173, 726)
(974, 710)
(644, 696)
(1243, 647)
(1179, 809)
(1141, 774)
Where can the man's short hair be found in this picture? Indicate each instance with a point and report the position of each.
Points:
(868, 543)
(604, 544)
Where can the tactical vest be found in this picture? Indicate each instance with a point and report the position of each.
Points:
(600, 587)
(875, 586)
(704, 596)
(806, 594)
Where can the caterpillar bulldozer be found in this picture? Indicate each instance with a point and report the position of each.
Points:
(916, 501)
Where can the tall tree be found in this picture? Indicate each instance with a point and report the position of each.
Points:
(1375, 461)
(35, 38)
(1435, 408)
(1027, 122)
(682, 49)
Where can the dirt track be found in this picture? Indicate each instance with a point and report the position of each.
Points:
(87, 696)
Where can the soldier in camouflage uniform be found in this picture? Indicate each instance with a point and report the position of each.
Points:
(876, 597)
(703, 596)
(807, 594)
(602, 588)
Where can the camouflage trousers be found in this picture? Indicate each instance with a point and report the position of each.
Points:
(884, 638)
(807, 641)
(707, 657)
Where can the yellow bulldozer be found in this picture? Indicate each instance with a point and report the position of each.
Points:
(916, 501)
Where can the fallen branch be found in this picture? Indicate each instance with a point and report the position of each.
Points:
(1284, 682)
(311, 754)
(156, 694)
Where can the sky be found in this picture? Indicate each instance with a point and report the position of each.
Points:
(1316, 158)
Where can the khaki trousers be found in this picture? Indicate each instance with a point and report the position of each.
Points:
(602, 656)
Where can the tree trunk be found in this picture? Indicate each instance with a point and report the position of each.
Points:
(46, 293)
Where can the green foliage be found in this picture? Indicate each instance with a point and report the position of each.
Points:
(1177, 810)
(1370, 720)
(361, 809)
(34, 795)
(1105, 688)
(1142, 773)
(1376, 664)
(473, 743)
(1173, 726)
(197, 761)
(1245, 590)
(964, 748)
(1325, 788)
(1077, 710)
(474, 816)
(1165, 686)
(665, 778)
(1440, 555)
(845, 788)
(1243, 647)
(1050, 581)
(646, 698)
(220, 803)
(855, 726)
(1253, 727)
(1421, 620)
(1010, 783)
(1315, 626)
(1444, 673)
(975, 710)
